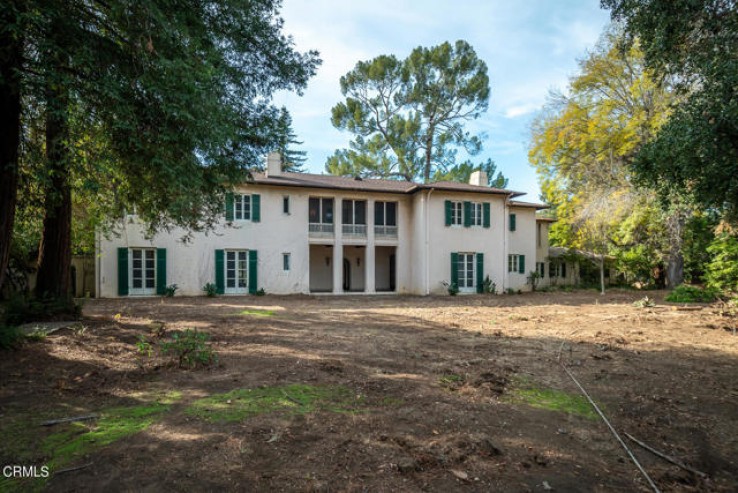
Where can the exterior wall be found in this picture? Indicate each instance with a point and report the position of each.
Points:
(422, 249)
(191, 265)
(445, 240)
(542, 251)
(522, 241)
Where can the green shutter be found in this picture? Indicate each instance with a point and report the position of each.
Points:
(455, 268)
(522, 264)
(123, 272)
(253, 277)
(448, 213)
(229, 206)
(563, 269)
(480, 273)
(219, 271)
(467, 214)
(513, 222)
(161, 270)
(485, 210)
(256, 208)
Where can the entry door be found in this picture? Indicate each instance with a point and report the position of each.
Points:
(466, 272)
(236, 266)
(346, 275)
(143, 271)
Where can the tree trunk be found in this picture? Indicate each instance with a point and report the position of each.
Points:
(602, 274)
(11, 62)
(55, 253)
(428, 157)
(675, 265)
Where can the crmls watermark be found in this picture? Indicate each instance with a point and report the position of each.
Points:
(18, 472)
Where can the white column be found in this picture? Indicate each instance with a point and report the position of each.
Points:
(337, 246)
(369, 268)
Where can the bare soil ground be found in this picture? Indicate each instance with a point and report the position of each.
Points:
(437, 378)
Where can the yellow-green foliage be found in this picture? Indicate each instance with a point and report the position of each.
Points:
(241, 404)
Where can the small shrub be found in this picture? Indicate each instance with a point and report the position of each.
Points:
(510, 291)
(533, 278)
(453, 289)
(488, 286)
(190, 348)
(170, 290)
(211, 290)
(685, 293)
(144, 347)
(260, 292)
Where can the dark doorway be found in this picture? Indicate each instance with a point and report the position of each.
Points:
(392, 273)
(346, 275)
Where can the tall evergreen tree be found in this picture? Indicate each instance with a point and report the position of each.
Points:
(408, 115)
(180, 99)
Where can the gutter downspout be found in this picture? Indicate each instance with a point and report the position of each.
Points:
(505, 231)
(427, 242)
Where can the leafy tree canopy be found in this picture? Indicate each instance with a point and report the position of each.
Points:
(408, 116)
(582, 145)
(694, 43)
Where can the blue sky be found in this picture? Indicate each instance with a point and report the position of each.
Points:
(529, 46)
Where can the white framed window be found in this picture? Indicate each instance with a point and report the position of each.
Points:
(457, 214)
(465, 272)
(513, 263)
(236, 271)
(142, 271)
(241, 207)
(320, 210)
(286, 204)
(476, 214)
(286, 262)
(385, 213)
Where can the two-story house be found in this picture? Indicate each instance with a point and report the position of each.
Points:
(306, 233)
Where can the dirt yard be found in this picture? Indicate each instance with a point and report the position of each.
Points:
(378, 394)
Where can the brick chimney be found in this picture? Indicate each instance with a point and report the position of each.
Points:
(479, 178)
(273, 164)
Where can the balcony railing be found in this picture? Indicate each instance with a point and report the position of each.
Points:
(385, 231)
(354, 230)
(320, 230)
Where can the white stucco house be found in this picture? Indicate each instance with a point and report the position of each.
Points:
(307, 233)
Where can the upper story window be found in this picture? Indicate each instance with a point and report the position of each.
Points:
(320, 210)
(457, 213)
(513, 222)
(466, 213)
(353, 211)
(538, 234)
(241, 207)
(286, 204)
(385, 213)
(476, 214)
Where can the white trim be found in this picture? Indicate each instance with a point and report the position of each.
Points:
(143, 290)
(237, 271)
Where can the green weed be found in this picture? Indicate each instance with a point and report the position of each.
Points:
(526, 392)
(241, 404)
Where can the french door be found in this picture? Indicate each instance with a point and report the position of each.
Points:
(466, 272)
(236, 266)
(143, 271)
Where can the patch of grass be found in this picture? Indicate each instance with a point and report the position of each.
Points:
(451, 379)
(241, 404)
(79, 439)
(256, 313)
(526, 392)
(25, 442)
(684, 293)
